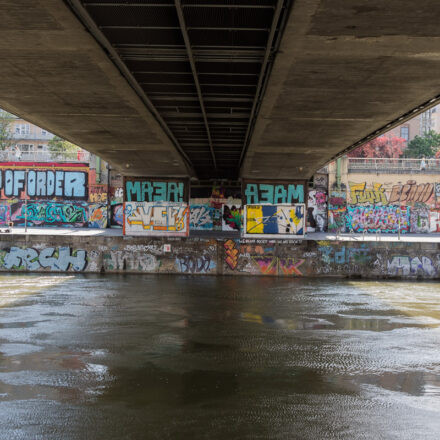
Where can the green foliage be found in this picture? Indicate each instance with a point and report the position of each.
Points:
(6, 135)
(423, 146)
(58, 147)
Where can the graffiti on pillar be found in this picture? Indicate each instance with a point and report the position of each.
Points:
(156, 218)
(276, 220)
(41, 213)
(98, 193)
(320, 181)
(97, 215)
(387, 219)
(117, 214)
(5, 214)
(231, 218)
(317, 211)
(337, 208)
(201, 217)
(140, 189)
(231, 253)
(420, 219)
(274, 193)
(56, 259)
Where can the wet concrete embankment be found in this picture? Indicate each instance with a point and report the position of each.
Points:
(291, 258)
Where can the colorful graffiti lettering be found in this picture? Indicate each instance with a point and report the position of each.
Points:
(271, 193)
(55, 259)
(270, 265)
(359, 194)
(50, 214)
(153, 218)
(411, 192)
(43, 183)
(231, 218)
(388, 219)
(5, 214)
(201, 217)
(231, 252)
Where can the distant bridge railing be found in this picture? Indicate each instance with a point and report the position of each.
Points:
(393, 165)
(44, 156)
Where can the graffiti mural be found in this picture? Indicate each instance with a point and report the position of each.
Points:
(336, 211)
(5, 214)
(97, 216)
(140, 189)
(420, 219)
(231, 254)
(156, 218)
(231, 218)
(98, 193)
(360, 194)
(274, 193)
(405, 265)
(274, 220)
(387, 219)
(195, 264)
(56, 259)
(43, 181)
(201, 217)
(117, 214)
(317, 211)
(41, 213)
(411, 193)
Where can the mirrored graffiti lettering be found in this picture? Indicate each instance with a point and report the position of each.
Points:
(259, 193)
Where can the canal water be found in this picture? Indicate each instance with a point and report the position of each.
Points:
(169, 357)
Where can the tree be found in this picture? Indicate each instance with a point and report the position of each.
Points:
(58, 147)
(423, 146)
(6, 135)
(381, 147)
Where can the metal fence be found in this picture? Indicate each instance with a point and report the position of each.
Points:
(44, 156)
(394, 165)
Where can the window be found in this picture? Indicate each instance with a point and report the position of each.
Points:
(22, 129)
(40, 147)
(404, 132)
(43, 132)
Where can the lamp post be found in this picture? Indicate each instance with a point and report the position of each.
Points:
(25, 199)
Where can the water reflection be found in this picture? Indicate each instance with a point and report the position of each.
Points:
(176, 357)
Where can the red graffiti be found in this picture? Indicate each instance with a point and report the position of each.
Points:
(231, 254)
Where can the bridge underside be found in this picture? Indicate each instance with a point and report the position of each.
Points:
(267, 89)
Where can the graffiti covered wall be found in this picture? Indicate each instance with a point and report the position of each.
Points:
(144, 189)
(194, 256)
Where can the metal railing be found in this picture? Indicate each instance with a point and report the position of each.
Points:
(394, 165)
(44, 156)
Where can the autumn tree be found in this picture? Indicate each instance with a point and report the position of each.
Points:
(380, 147)
(58, 147)
(6, 135)
(423, 146)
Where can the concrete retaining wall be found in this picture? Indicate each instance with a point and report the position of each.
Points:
(294, 258)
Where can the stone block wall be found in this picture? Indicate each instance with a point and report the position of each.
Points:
(286, 258)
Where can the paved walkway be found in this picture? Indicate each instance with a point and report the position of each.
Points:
(416, 238)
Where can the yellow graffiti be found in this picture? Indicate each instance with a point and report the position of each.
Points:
(359, 194)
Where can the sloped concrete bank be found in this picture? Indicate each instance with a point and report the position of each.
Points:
(198, 256)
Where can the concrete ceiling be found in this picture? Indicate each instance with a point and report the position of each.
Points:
(332, 73)
(345, 69)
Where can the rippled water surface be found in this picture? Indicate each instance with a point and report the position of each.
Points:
(158, 357)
